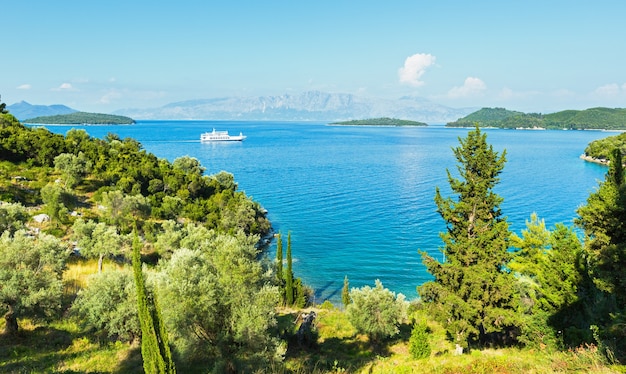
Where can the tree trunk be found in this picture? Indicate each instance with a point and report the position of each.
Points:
(100, 263)
(10, 327)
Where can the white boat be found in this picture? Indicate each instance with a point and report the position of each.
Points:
(220, 136)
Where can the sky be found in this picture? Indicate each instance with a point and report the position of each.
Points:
(101, 56)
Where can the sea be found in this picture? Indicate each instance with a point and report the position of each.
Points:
(359, 201)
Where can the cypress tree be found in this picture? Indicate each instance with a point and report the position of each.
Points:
(279, 267)
(289, 294)
(155, 349)
(473, 295)
(345, 292)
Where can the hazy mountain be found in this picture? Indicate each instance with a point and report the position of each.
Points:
(307, 106)
(24, 110)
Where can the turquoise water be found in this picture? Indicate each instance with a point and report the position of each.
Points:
(359, 200)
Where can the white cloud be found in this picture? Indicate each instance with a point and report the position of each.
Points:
(472, 86)
(414, 67)
(65, 86)
(24, 87)
(110, 96)
(608, 90)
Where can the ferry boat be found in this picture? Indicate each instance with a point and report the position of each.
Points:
(220, 136)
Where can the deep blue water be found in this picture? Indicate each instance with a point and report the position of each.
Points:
(359, 200)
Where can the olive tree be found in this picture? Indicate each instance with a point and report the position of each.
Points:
(30, 276)
(376, 312)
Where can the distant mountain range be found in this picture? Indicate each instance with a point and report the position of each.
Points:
(307, 106)
(24, 110)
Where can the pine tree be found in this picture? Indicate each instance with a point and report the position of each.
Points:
(155, 349)
(289, 294)
(345, 292)
(604, 221)
(473, 294)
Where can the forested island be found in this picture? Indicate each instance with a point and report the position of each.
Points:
(384, 121)
(113, 260)
(82, 118)
(588, 119)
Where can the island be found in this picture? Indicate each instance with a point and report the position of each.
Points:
(81, 118)
(588, 119)
(384, 121)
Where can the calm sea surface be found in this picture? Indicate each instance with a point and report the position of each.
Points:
(359, 200)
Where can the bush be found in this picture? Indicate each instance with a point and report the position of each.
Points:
(376, 311)
(419, 346)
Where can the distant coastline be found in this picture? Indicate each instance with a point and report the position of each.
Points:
(380, 122)
(81, 118)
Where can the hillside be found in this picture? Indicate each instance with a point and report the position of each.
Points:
(593, 118)
(306, 106)
(385, 121)
(24, 110)
(81, 118)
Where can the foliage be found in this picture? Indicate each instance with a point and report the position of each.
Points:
(54, 198)
(219, 303)
(176, 190)
(72, 167)
(485, 117)
(81, 118)
(109, 304)
(30, 276)
(601, 149)
(377, 311)
(279, 266)
(289, 289)
(384, 121)
(546, 264)
(603, 219)
(13, 216)
(473, 295)
(419, 346)
(155, 349)
(592, 118)
(97, 240)
(345, 292)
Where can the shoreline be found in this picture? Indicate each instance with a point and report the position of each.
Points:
(595, 160)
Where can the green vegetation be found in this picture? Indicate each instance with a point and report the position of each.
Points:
(601, 149)
(149, 266)
(385, 121)
(82, 118)
(473, 295)
(593, 118)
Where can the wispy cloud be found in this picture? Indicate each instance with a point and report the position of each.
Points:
(609, 90)
(64, 87)
(414, 67)
(471, 87)
(24, 87)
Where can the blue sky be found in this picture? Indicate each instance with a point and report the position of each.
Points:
(101, 56)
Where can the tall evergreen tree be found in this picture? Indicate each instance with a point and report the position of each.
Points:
(289, 294)
(603, 219)
(473, 295)
(279, 265)
(155, 349)
(345, 292)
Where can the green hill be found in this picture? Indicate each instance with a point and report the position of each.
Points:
(80, 118)
(380, 122)
(485, 117)
(593, 118)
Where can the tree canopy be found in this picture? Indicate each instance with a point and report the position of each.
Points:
(473, 294)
